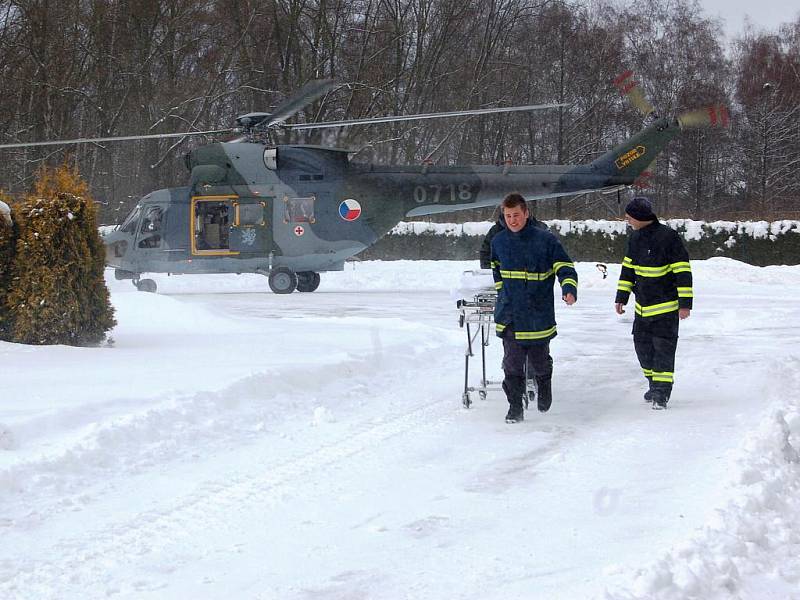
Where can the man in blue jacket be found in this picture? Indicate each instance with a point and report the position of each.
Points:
(525, 262)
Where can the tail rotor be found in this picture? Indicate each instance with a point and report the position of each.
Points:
(715, 115)
(629, 88)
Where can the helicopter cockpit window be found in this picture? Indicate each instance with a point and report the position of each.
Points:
(299, 210)
(212, 221)
(150, 229)
(152, 220)
(129, 223)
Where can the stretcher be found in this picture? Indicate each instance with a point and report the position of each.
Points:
(476, 315)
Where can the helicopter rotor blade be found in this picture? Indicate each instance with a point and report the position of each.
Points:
(715, 115)
(119, 138)
(630, 88)
(440, 115)
(303, 97)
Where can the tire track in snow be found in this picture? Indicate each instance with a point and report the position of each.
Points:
(81, 562)
(175, 428)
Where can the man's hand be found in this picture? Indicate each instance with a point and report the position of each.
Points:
(620, 308)
(569, 298)
(684, 313)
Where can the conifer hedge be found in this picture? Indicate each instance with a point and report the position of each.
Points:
(55, 292)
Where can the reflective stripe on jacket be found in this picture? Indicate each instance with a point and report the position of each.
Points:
(525, 266)
(656, 269)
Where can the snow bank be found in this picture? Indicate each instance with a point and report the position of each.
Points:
(690, 229)
(721, 269)
(751, 549)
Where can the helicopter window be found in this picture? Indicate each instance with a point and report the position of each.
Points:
(212, 220)
(152, 220)
(299, 210)
(129, 223)
(149, 230)
(152, 241)
(251, 214)
(271, 158)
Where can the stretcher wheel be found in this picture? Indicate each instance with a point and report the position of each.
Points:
(465, 400)
(482, 394)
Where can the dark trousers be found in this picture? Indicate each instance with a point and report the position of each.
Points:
(515, 355)
(656, 354)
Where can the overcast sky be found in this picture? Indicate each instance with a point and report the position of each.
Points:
(764, 14)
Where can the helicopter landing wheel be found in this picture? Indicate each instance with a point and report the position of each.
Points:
(282, 280)
(307, 281)
(146, 285)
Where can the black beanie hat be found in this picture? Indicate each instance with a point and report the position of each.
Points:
(640, 209)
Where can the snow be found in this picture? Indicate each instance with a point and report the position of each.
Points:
(232, 443)
(5, 213)
(691, 230)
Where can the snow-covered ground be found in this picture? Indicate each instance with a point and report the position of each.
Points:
(239, 444)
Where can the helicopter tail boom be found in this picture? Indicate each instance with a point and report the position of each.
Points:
(429, 189)
(625, 163)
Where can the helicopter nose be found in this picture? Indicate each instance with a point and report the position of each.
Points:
(115, 249)
(109, 251)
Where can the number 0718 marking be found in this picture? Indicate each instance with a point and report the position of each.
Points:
(434, 194)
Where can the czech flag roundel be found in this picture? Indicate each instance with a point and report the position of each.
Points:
(350, 209)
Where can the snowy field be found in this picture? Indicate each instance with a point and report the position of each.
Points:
(239, 444)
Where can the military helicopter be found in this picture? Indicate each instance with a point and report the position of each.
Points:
(290, 212)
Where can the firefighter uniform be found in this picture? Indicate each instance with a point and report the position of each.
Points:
(656, 269)
(525, 265)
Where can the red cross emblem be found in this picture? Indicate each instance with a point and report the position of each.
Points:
(299, 230)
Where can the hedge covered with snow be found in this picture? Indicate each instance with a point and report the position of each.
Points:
(754, 242)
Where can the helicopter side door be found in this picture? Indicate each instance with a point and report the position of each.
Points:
(211, 220)
(251, 230)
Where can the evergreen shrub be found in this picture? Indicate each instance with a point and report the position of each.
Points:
(8, 240)
(56, 292)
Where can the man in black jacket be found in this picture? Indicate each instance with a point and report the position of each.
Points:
(656, 269)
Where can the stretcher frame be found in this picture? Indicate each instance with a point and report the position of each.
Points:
(480, 312)
(477, 313)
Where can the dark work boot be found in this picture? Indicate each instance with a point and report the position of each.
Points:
(515, 414)
(514, 387)
(659, 402)
(649, 394)
(660, 395)
(545, 396)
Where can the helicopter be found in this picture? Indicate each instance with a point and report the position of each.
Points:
(291, 212)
